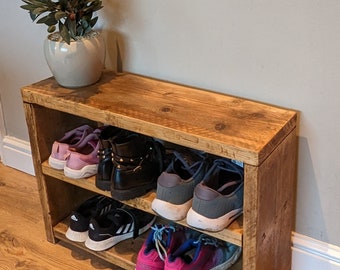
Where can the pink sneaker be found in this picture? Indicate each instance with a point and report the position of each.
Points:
(71, 139)
(83, 161)
(205, 253)
(161, 240)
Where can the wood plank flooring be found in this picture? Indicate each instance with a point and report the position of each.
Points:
(23, 244)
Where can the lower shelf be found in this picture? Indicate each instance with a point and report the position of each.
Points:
(123, 254)
(232, 234)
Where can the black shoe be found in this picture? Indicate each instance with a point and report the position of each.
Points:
(105, 166)
(91, 208)
(138, 161)
(116, 226)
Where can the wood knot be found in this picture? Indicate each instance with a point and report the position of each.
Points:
(165, 109)
(220, 126)
(257, 115)
(285, 205)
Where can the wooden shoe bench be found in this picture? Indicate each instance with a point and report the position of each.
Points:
(261, 136)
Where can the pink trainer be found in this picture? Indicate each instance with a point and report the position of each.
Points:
(83, 161)
(160, 242)
(71, 139)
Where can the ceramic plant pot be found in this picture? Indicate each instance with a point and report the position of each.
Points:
(77, 64)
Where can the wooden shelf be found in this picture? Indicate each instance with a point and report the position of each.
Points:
(262, 136)
(224, 125)
(124, 254)
(232, 234)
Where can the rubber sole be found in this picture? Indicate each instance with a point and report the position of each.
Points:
(112, 241)
(85, 172)
(56, 163)
(201, 222)
(76, 236)
(169, 210)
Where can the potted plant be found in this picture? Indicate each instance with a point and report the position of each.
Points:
(74, 52)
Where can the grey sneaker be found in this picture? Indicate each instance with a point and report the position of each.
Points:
(218, 199)
(175, 186)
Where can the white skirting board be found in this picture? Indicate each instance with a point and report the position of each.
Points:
(17, 154)
(308, 253)
(311, 254)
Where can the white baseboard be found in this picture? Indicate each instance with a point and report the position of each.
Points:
(17, 154)
(311, 254)
(308, 253)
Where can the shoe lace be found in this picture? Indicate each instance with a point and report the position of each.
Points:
(158, 240)
(205, 240)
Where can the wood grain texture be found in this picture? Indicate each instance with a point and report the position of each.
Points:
(23, 243)
(269, 203)
(220, 124)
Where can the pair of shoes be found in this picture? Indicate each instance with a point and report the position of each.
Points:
(60, 148)
(204, 253)
(209, 194)
(76, 152)
(161, 240)
(218, 199)
(102, 222)
(94, 207)
(129, 163)
(175, 186)
(106, 138)
(117, 225)
(138, 161)
(175, 247)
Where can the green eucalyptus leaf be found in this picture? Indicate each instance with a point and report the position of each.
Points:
(72, 27)
(85, 24)
(27, 7)
(39, 10)
(27, 2)
(51, 28)
(64, 33)
(48, 20)
(64, 4)
(74, 16)
(60, 15)
(93, 22)
(33, 16)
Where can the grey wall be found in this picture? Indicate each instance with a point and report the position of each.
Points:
(280, 52)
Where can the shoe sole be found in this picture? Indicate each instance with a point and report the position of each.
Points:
(201, 222)
(85, 172)
(112, 241)
(169, 210)
(76, 236)
(56, 163)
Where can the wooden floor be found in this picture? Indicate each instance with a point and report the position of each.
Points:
(22, 238)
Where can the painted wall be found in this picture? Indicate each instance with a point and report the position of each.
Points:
(280, 52)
